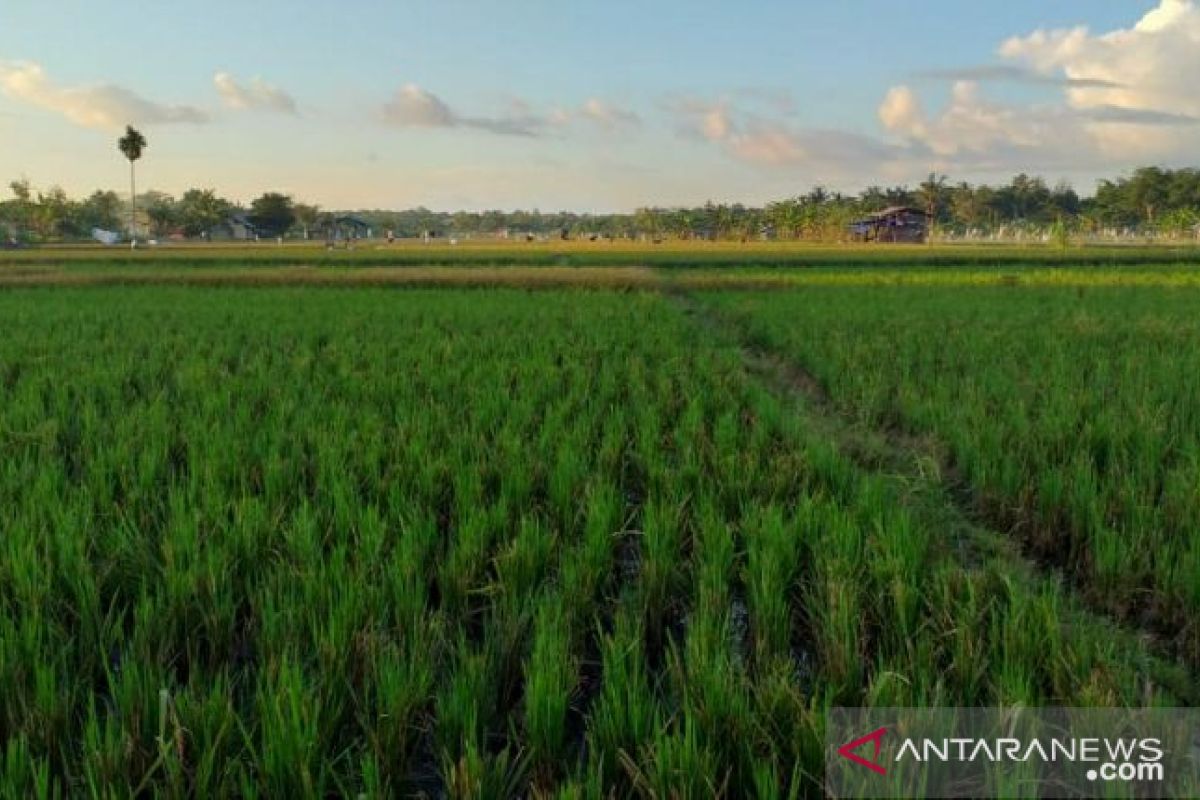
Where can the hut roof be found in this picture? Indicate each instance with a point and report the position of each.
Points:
(241, 218)
(892, 211)
(351, 219)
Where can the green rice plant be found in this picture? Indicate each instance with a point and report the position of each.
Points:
(661, 576)
(208, 737)
(462, 573)
(767, 782)
(465, 703)
(715, 557)
(24, 775)
(488, 777)
(522, 567)
(711, 691)
(773, 551)
(288, 746)
(678, 764)
(788, 735)
(396, 706)
(551, 675)
(837, 603)
(584, 569)
(628, 711)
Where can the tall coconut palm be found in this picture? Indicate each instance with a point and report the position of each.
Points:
(131, 145)
(931, 191)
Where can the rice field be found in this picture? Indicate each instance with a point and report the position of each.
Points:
(1071, 414)
(305, 540)
(686, 254)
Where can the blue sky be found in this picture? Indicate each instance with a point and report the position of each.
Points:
(590, 105)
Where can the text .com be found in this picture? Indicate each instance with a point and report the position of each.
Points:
(1127, 772)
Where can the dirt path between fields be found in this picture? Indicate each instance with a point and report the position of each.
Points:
(940, 498)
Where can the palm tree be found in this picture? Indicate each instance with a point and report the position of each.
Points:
(931, 191)
(132, 144)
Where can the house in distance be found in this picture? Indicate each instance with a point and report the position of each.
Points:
(899, 224)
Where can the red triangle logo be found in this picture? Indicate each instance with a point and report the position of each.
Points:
(875, 737)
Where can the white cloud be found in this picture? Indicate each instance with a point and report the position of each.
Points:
(901, 112)
(414, 107)
(102, 106)
(969, 124)
(716, 123)
(1153, 65)
(771, 145)
(258, 95)
(1127, 95)
(770, 142)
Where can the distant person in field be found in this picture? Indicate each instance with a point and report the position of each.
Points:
(391, 236)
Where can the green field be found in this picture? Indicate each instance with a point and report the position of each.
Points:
(684, 254)
(575, 532)
(1072, 416)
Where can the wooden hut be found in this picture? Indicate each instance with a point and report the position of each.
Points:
(895, 224)
(237, 226)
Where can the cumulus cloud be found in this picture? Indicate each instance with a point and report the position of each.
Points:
(414, 107)
(102, 106)
(969, 123)
(1151, 65)
(1126, 94)
(901, 112)
(257, 95)
(771, 142)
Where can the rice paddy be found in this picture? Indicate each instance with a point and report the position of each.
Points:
(556, 533)
(1071, 414)
(689, 254)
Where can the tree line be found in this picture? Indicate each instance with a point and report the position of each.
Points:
(49, 216)
(1149, 201)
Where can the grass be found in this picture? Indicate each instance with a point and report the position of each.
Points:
(311, 541)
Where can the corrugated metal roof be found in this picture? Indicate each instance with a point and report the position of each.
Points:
(892, 210)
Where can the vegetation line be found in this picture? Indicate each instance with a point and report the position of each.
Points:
(1150, 204)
